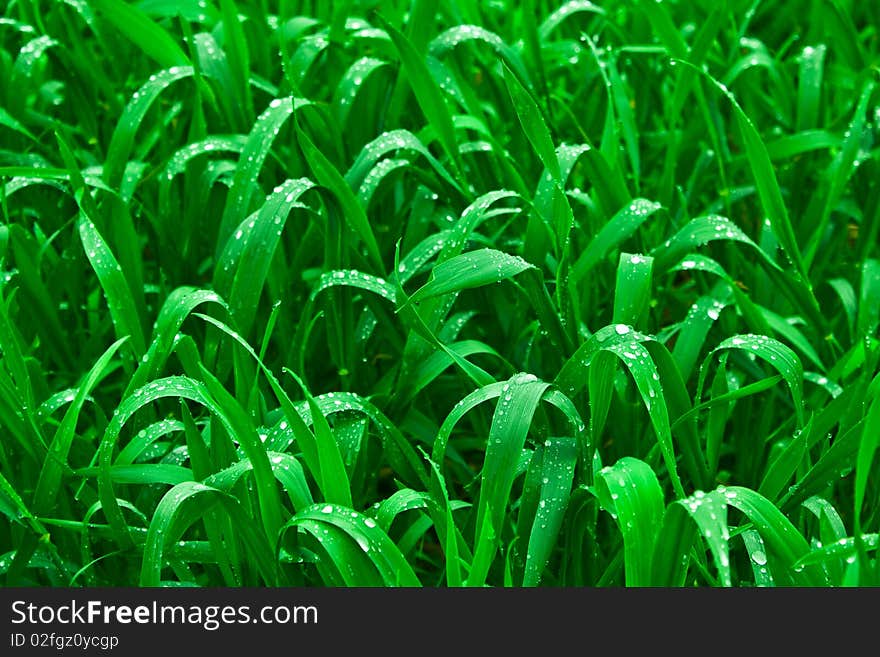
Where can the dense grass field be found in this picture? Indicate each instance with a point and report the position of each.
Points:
(440, 293)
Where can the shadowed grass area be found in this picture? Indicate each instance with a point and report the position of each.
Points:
(439, 293)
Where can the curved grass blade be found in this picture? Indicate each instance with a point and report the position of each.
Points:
(399, 451)
(242, 428)
(144, 438)
(766, 183)
(562, 13)
(132, 117)
(709, 512)
(178, 387)
(781, 469)
(694, 329)
(507, 435)
(840, 171)
(116, 290)
(774, 353)
(48, 484)
(286, 468)
(256, 150)
(244, 264)
(328, 176)
(672, 547)
(439, 361)
(405, 499)
(177, 307)
(346, 92)
(868, 447)
(154, 41)
(181, 507)
(427, 93)
(452, 37)
(377, 550)
(236, 47)
(698, 232)
(632, 292)
(869, 298)
(371, 154)
(630, 492)
(781, 537)
(810, 73)
(469, 270)
(533, 125)
(833, 464)
(334, 479)
(758, 558)
(583, 367)
(558, 459)
(617, 229)
(845, 548)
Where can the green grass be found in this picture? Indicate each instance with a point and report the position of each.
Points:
(440, 293)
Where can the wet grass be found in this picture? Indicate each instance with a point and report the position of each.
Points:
(439, 293)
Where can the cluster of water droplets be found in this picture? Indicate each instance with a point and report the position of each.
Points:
(32, 51)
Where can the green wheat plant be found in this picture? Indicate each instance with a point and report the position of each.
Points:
(439, 293)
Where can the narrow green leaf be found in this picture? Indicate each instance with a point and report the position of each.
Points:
(116, 290)
(427, 92)
(533, 124)
(629, 490)
(154, 41)
(468, 270)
